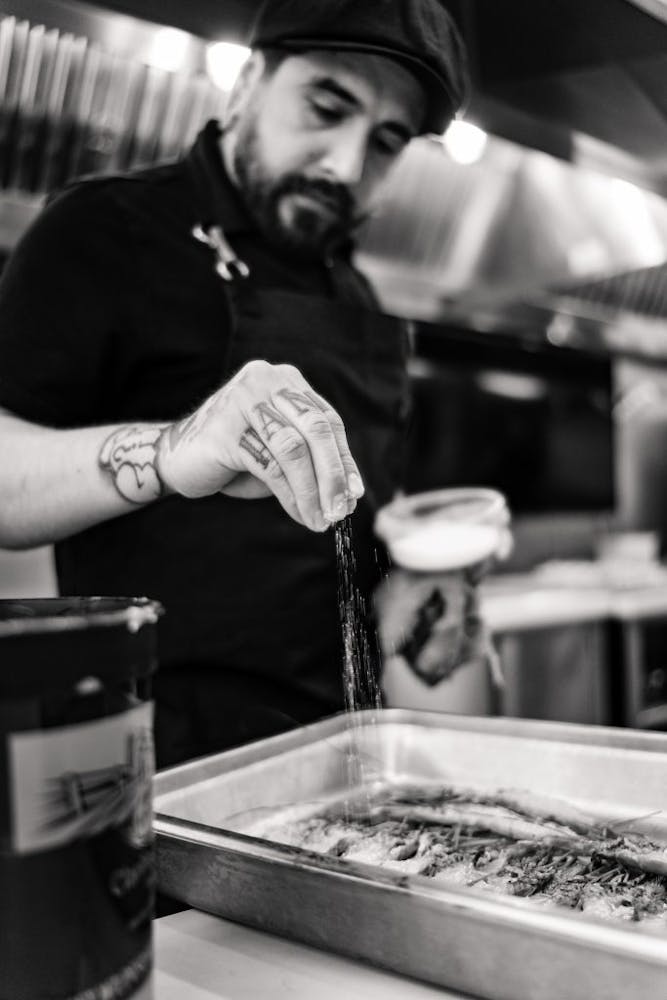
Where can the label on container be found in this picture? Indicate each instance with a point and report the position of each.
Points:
(79, 875)
(74, 782)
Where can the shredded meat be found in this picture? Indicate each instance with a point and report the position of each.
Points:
(512, 844)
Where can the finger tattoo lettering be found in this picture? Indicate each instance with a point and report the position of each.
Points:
(303, 402)
(130, 456)
(252, 443)
(271, 420)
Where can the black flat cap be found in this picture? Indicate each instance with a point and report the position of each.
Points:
(418, 33)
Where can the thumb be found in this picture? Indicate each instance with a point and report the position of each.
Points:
(245, 486)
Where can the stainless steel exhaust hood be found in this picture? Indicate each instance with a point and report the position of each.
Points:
(519, 237)
(470, 239)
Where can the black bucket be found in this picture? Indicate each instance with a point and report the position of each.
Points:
(77, 878)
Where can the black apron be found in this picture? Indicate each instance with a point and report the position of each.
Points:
(251, 640)
(272, 615)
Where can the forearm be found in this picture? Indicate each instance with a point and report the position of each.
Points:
(264, 432)
(54, 483)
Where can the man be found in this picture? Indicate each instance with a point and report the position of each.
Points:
(194, 385)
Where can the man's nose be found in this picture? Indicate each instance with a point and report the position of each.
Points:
(345, 157)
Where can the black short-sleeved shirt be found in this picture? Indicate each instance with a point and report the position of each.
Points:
(112, 312)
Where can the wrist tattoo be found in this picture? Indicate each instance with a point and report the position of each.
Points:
(130, 456)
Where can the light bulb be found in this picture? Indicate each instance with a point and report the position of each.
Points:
(224, 61)
(464, 142)
(168, 49)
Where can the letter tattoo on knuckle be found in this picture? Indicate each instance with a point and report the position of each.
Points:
(130, 456)
(251, 442)
(271, 420)
(302, 402)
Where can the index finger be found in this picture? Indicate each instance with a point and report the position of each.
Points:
(354, 481)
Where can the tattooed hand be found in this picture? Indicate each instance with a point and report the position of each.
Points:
(265, 432)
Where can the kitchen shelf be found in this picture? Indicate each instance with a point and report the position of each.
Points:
(82, 92)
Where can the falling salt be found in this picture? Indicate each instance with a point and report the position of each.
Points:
(361, 686)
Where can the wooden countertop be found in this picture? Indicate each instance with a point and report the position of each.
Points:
(201, 957)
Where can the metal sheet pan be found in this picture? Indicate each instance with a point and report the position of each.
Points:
(467, 939)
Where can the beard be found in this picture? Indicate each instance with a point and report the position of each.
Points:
(283, 207)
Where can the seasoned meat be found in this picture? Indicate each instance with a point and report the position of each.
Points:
(512, 843)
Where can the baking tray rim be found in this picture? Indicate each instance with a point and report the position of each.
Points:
(613, 737)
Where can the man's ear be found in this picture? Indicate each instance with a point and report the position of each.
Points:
(244, 86)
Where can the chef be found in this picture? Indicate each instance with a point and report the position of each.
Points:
(196, 383)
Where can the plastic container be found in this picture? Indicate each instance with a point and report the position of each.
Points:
(445, 530)
(76, 764)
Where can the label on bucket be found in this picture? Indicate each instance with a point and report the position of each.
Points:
(79, 872)
(72, 783)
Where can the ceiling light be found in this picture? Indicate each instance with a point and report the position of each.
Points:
(464, 142)
(520, 387)
(168, 49)
(224, 61)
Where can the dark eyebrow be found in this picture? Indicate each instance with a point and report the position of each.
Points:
(327, 83)
(333, 87)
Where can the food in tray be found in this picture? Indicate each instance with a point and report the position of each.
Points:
(514, 843)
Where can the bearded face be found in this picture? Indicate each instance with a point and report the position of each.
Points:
(306, 216)
(311, 141)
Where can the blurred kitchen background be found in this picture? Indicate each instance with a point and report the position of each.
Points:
(528, 248)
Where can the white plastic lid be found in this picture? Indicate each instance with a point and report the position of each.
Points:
(445, 530)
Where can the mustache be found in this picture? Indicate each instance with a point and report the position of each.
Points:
(337, 196)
